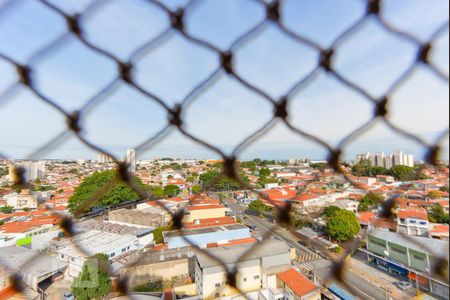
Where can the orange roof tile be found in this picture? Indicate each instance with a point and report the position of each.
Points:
(298, 283)
(413, 213)
(200, 207)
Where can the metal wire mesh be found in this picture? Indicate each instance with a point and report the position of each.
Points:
(227, 65)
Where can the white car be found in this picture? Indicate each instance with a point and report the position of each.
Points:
(405, 285)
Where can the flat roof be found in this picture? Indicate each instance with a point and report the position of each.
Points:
(95, 241)
(14, 258)
(176, 233)
(422, 244)
(232, 254)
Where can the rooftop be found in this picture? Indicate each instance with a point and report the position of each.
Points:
(421, 244)
(232, 254)
(176, 233)
(298, 283)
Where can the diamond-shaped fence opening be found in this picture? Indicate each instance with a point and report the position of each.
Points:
(168, 35)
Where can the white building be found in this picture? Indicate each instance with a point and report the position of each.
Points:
(387, 161)
(131, 160)
(94, 242)
(258, 270)
(32, 170)
(26, 199)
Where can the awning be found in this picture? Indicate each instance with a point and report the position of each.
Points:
(422, 280)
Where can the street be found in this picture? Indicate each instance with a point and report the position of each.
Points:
(361, 278)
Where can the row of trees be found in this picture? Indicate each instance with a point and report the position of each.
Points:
(401, 173)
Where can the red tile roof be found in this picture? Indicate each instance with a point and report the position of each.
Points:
(209, 222)
(200, 207)
(298, 283)
(413, 213)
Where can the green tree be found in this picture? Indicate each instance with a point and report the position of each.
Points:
(6, 209)
(329, 211)
(93, 281)
(264, 172)
(444, 189)
(155, 191)
(402, 173)
(258, 206)
(437, 214)
(369, 200)
(196, 189)
(158, 234)
(343, 225)
(3, 171)
(213, 179)
(434, 195)
(171, 190)
(319, 166)
(101, 189)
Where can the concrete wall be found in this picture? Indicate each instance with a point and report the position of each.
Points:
(200, 214)
(374, 245)
(398, 253)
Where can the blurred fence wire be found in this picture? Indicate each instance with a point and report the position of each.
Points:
(227, 65)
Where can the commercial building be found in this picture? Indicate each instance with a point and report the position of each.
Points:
(34, 268)
(409, 257)
(139, 217)
(91, 243)
(131, 160)
(202, 237)
(258, 270)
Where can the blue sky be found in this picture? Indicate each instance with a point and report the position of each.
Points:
(227, 112)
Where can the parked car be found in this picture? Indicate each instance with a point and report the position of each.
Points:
(405, 285)
(69, 296)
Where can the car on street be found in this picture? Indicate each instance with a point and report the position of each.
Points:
(69, 296)
(404, 285)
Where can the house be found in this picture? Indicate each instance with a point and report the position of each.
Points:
(26, 199)
(199, 212)
(257, 270)
(295, 286)
(413, 221)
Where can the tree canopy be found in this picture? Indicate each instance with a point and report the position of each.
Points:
(329, 211)
(101, 189)
(258, 206)
(213, 179)
(434, 195)
(369, 200)
(342, 225)
(93, 281)
(171, 190)
(438, 215)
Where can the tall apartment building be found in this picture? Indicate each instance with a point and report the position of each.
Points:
(103, 158)
(387, 161)
(131, 160)
(32, 170)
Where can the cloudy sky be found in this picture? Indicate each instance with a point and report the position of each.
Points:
(226, 112)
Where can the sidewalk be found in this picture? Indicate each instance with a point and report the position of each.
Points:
(378, 278)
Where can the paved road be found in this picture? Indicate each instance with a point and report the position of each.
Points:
(361, 287)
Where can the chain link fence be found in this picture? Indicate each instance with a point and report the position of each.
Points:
(227, 65)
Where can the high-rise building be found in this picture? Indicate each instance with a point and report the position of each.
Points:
(131, 160)
(387, 161)
(32, 170)
(103, 158)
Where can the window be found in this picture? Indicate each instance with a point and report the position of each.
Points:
(412, 221)
(62, 255)
(245, 279)
(398, 250)
(72, 259)
(419, 258)
(217, 295)
(217, 285)
(256, 277)
(128, 248)
(124, 249)
(113, 254)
